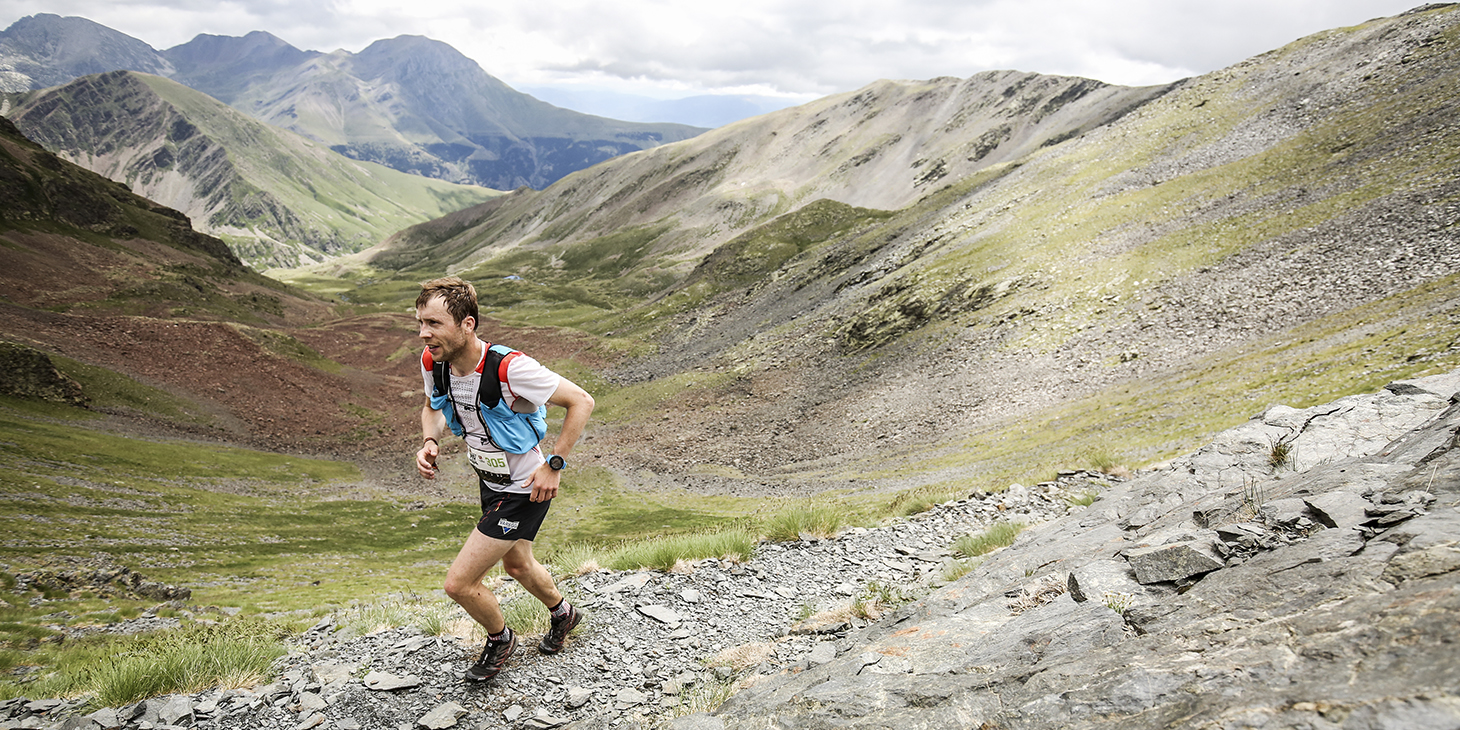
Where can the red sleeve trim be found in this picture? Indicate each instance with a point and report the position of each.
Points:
(426, 361)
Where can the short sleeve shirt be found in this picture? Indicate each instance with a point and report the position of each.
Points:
(529, 384)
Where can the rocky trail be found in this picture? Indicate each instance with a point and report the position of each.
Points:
(1301, 570)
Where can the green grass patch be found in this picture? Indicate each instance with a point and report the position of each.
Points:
(663, 553)
(1000, 534)
(119, 670)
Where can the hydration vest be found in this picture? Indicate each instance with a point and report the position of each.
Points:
(508, 430)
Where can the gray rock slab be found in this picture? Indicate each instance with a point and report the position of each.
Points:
(631, 583)
(543, 720)
(1338, 509)
(662, 614)
(1095, 580)
(630, 697)
(1431, 561)
(697, 721)
(822, 653)
(175, 709)
(107, 718)
(386, 682)
(578, 696)
(1284, 511)
(1163, 563)
(311, 720)
(442, 716)
(309, 701)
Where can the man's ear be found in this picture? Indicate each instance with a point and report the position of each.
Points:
(469, 323)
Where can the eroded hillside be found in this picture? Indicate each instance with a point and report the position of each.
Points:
(166, 329)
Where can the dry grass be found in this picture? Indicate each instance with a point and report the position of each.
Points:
(1038, 593)
(745, 656)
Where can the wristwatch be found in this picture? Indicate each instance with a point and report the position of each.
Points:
(556, 462)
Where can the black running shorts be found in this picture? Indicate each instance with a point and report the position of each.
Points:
(511, 516)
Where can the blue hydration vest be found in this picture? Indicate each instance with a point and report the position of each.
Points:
(508, 430)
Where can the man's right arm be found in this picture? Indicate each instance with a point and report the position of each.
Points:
(433, 428)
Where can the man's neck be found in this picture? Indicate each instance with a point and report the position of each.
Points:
(465, 362)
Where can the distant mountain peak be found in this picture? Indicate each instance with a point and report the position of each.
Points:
(415, 52)
(46, 49)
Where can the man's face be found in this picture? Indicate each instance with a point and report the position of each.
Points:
(442, 335)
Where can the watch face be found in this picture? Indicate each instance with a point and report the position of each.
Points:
(556, 462)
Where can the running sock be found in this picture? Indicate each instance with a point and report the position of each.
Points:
(561, 609)
(497, 637)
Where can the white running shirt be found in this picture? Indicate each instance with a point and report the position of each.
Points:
(529, 385)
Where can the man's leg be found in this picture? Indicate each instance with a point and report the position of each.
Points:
(524, 568)
(464, 578)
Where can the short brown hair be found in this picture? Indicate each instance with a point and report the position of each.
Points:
(458, 294)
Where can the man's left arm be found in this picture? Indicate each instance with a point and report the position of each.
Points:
(579, 403)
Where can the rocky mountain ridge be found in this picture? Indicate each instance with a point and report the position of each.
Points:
(1227, 588)
(278, 199)
(413, 104)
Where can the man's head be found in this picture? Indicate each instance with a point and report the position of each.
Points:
(457, 294)
(446, 311)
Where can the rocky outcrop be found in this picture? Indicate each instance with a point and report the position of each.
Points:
(1227, 588)
(100, 579)
(29, 373)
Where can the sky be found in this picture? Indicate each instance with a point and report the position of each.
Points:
(795, 49)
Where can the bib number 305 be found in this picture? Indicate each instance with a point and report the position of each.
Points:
(490, 465)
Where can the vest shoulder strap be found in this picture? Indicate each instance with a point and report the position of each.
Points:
(497, 359)
(496, 362)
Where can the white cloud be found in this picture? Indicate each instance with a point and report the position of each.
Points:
(802, 47)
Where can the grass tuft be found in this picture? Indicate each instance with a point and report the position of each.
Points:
(665, 552)
(117, 671)
(1000, 534)
(1279, 454)
(704, 697)
(1083, 499)
(959, 568)
(817, 519)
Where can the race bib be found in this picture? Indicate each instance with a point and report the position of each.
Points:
(491, 466)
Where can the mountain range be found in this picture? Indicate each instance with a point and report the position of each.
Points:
(410, 103)
(704, 110)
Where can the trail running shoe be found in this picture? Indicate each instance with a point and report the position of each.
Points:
(552, 641)
(494, 657)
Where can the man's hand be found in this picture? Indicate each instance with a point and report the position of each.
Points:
(544, 482)
(426, 459)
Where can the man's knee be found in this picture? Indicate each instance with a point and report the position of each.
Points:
(457, 587)
(519, 568)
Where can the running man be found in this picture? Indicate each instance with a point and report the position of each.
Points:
(516, 480)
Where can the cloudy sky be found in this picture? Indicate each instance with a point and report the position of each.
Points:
(796, 48)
